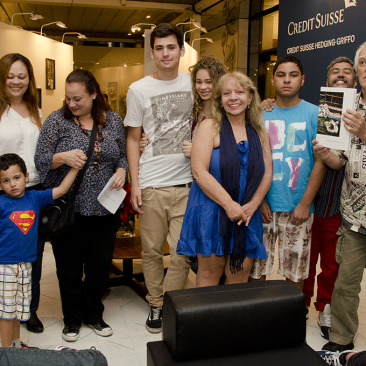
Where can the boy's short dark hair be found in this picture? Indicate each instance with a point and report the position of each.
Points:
(8, 160)
(164, 30)
(289, 58)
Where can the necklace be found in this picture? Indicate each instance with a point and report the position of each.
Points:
(98, 140)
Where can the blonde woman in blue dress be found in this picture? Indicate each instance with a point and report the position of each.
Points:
(232, 165)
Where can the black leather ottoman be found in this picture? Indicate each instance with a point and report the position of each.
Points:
(158, 354)
(261, 323)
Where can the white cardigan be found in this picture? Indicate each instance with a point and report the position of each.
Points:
(20, 135)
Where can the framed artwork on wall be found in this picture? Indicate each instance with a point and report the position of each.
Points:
(39, 97)
(50, 74)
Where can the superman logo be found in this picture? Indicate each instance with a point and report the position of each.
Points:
(24, 220)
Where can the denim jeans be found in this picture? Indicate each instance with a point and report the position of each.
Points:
(10, 356)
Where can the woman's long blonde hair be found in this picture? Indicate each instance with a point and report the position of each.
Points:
(29, 97)
(253, 114)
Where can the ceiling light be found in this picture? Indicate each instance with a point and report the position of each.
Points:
(79, 35)
(208, 39)
(197, 25)
(33, 15)
(58, 23)
(129, 34)
(136, 27)
(148, 16)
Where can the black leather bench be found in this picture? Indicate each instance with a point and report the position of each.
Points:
(258, 323)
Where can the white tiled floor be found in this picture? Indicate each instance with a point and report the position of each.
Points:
(126, 312)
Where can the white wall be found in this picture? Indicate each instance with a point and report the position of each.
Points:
(125, 76)
(37, 49)
(190, 58)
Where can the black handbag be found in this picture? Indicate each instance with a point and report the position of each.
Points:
(56, 218)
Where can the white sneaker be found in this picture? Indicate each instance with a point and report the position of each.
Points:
(324, 321)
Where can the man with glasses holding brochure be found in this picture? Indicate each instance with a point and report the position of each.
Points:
(351, 245)
(327, 218)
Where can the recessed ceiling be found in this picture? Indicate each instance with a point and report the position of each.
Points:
(108, 20)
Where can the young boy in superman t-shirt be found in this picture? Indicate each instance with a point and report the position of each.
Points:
(19, 211)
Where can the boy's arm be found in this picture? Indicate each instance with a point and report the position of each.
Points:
(301, 212)
(65, 184)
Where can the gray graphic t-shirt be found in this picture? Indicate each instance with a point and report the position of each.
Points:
(170, 111)
(164, 110)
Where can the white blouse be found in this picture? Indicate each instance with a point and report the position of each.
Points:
(20, 135)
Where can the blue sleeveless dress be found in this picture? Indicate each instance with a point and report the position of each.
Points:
(200, 230)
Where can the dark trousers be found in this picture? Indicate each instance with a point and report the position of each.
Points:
(36, 276)
(86, 248)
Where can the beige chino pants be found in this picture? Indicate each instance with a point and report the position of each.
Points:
(161, 221)
(351, 257)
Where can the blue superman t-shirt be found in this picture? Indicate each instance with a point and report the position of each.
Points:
(290, 131)
(19, 225)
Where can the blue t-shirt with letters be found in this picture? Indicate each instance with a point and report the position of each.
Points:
(290, 132)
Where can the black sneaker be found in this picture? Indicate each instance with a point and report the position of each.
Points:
(71, 333)
(154, 321)
(101, 328)
(334, 347)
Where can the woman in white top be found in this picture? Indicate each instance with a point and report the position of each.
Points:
(20, 121)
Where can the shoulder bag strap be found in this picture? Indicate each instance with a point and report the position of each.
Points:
(82, 171)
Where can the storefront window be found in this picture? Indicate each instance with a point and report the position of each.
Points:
(267, 4)
(263, 44)
(270, 31)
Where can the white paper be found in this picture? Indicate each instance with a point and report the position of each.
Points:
(111, 200)
(340, 138)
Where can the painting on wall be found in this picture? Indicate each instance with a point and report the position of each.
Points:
(228, 43)
(50, 74)
(39, 97)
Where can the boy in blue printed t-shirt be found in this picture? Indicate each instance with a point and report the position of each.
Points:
(288, 209)
(19, 211)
